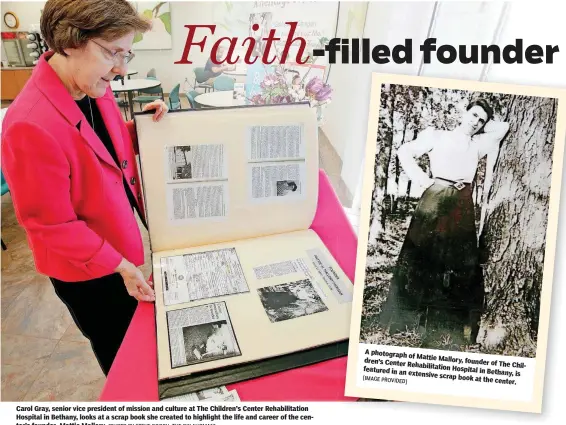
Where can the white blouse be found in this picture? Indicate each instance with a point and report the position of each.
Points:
(453, 156)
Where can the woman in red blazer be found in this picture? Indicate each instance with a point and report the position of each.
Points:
(69, 160)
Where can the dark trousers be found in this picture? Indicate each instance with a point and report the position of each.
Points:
(102, 309)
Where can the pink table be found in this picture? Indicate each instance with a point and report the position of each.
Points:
(133, 376)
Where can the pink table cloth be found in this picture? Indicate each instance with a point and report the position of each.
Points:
(133, 376)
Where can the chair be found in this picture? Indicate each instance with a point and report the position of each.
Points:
(151, 73)
(191, 96)
(144, 98)
(200, 77)
(174, 99)
(121, 102)
(223, 83)
(5, 189)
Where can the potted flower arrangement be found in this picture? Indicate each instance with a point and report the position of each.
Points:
(277, 87)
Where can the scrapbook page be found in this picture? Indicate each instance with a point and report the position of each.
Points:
(239, 276)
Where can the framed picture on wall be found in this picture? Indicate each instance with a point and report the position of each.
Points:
(159, 37)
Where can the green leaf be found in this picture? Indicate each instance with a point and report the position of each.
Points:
(147, 14)
(138, 37)
(166, 19)
(220, 24)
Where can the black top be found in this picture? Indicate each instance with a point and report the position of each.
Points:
(100, 129)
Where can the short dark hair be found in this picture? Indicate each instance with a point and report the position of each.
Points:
(482, 103)
(71, 23)
(293, 185)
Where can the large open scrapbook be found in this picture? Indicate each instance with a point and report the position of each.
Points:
(243, 287)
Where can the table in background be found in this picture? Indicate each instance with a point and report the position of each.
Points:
(131, 72)
(219, 99)
(130, 86)
(133, 376)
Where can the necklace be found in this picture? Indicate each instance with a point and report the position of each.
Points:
(91, 116)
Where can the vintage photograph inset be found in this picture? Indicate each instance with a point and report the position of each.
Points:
(291, 300)
(180, 160)
(200, 334)
(209, 341)
(458, 220)
(286, 187)
(195, 162)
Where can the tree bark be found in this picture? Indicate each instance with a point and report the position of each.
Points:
(382, 159)
(387, 152)
(513, 239)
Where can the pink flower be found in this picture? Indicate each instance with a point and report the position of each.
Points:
(258, 100)
(270, 81)
(324, 94)
(314, 86)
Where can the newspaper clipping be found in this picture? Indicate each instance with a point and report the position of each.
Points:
(276, 169)
(213, 394)
(208, 274)
(282, 268)
(277, 180)
(201, 334)
(196, 162)
(275, 142)
(291, 300)
(191, 201)
(333, 281)
(197, 183)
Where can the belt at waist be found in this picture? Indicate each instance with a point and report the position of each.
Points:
(447, 182)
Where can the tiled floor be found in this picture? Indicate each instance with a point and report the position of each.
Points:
(44, 355)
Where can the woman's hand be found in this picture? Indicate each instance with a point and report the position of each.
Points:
(135, 283)
(160, 106)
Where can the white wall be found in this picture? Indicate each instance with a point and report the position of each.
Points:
(231, 18)
(535, 24)
(463, 23)
(182, 13)
(28, 13)
(387, 23)
(452, 23)
(352, 18)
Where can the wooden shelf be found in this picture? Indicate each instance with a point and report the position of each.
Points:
(13, 81)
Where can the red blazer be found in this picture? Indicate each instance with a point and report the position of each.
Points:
(67, 190)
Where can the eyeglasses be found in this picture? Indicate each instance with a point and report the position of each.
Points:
(117, 57)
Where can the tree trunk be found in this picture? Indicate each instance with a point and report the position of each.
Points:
(382, 159)
(387, 152)
(513, 239)
(479, 184)
(406, 115)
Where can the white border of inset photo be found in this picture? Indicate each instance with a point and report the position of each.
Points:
(405, 393)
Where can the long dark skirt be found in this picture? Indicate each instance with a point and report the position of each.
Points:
(437, 275)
